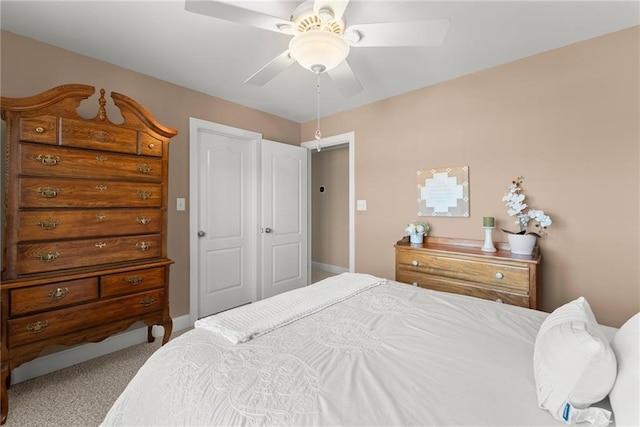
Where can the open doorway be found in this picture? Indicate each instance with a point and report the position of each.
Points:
(330, 212)
(332, 189)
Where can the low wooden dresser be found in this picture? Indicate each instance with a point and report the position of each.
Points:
(462, 267)
(84, 224)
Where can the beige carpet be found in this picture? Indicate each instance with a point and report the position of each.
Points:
(80, 395)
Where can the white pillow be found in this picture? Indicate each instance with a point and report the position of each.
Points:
(625, 394)
(574, 365)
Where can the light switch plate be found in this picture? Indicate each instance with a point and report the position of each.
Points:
(361, 205)
(180, 204)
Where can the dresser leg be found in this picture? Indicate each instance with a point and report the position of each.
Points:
(4, 398)
(168, 327)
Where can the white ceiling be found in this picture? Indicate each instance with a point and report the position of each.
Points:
(161, 39)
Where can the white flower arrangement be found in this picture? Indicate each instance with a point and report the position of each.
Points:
(514, 200)
(417, 227)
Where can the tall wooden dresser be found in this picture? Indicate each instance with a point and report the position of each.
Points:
(84, 224)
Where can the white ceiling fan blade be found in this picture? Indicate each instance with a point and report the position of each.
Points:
(412, 33)
(337, 6)
(345, 79)
(272, 69)
(230, 12)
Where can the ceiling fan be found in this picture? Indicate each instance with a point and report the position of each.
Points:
(321, 40)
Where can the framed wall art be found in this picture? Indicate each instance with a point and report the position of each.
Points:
(444, 192)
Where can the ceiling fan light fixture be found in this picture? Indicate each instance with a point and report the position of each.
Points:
(318, 50)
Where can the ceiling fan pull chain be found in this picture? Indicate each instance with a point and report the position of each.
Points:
(318, 133)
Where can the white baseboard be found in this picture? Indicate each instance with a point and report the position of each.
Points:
(72, 356)
(330, 268)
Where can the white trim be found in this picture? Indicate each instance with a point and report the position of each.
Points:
(335, 269)
(82, 353)
(309, 226)
(347, 139)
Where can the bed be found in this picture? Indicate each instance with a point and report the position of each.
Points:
(350, 350)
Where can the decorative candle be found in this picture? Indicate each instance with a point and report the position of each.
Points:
(488, 221)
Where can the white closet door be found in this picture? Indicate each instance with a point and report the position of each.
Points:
(241, 186)
(228, 232)
(284, 243)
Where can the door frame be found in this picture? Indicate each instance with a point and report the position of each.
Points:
(194, 203)
(343, 140)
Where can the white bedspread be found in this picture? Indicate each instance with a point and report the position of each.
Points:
(253, 320)
(390, 355)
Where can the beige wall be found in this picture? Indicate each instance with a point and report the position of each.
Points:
(330, 210)
(568, 120)
(30, 67)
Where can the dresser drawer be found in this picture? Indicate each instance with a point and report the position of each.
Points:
(132, 281)
(460, 287)
(499, 276)
(80, 133)
(59, 255)
(43, 129)
(70, 193)
(73, 224)
(68, 162)
(150, 145)
(53, 295)
(72, 319)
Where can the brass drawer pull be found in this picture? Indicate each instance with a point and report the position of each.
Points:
(101, 187)
(47, 256)
(48, 192)
(58, 293)
(144, 168)
(143, 246)
(48, 159)
(39, 129)
(101, 217)
(101, 158)
(38, 326)
(144, 195)
(100, 245)
(143, 220)
(135, 280)
(48, 224)
(147, 301)
(151, 145)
